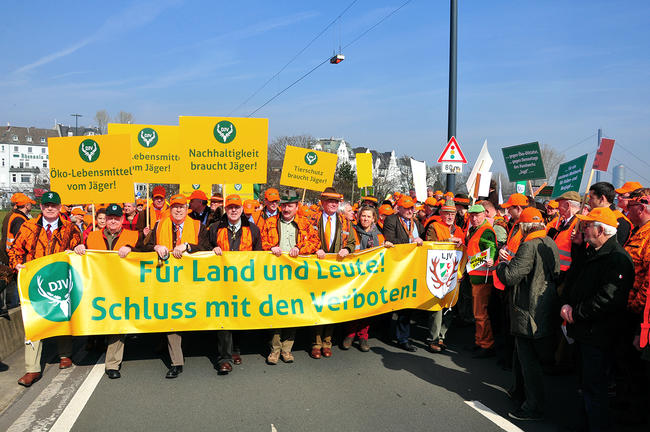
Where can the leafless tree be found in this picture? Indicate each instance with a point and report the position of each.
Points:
(102, 118)
(279, 144)
(552, 160)
(124, 117)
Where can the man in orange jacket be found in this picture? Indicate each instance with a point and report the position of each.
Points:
(514, 206)
(112, 237)
(270, 209)
(295, 235)
(45, 235)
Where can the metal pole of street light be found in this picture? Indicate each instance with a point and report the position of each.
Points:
(451, 114)
(76, 123)
(600, 136)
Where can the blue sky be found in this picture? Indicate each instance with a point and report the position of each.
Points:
(551, 71)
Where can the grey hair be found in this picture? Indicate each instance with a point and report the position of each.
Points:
(574, 203)
(608, 229)
(529, 227)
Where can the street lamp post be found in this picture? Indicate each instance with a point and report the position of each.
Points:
(451, 113)
(76, 123)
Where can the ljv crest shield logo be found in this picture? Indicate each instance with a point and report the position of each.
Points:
(442, 270)
(89, 150)
(311, 158)
(225, 132)
(55, 291)
(148, 137)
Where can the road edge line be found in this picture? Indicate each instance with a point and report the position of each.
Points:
(494, 417)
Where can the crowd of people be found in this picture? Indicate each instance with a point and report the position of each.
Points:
(564, 286)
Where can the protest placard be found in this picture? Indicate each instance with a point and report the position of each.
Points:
(569, 176)
(155, 150)
(524, 162)
(225, 148)
(244, 190)
(308, 169)
(91, 169)
(364, 169)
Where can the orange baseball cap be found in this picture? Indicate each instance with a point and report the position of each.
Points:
(531, 214)
(640, 200)
(448, 195)
(405, 201)
(20, 199)
(159, 191)
(431, 201)
(516, 200)
(369, 198)
(249, 206)
(140, 201)
(198, 194)
(386, 209)
(553, 204)
(233, 200)
(272, 194)
(78, 211)
(601, 214)
(629, 187)
(216, 198)
(178, 199)
(438, 192)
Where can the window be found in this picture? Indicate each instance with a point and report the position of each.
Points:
(15, 137)
(25, 178)
(29, 149)
(3, 147)
(42, 140)
(3, 162)
(15, 148)
(44, 163)
(13, 178)
(22, 164)
(29, 139)
(43, 150)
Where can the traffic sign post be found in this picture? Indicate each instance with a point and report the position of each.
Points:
(452, 167)
(452, 153)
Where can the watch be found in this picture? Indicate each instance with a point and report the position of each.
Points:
(188, 249)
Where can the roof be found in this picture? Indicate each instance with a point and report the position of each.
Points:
(82, 130)
(22, 133)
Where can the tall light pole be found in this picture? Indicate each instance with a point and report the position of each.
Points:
(451, 113)
(600, 136)
(76, 123)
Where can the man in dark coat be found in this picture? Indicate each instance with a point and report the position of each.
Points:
(594, 299)
(530, 277)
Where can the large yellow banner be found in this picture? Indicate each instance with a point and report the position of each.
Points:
(95, 168)
(308, 169)
(100, 293)
(224, 148)
(364, 169)
(156, 152)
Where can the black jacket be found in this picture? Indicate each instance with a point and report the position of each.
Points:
(235, 241)
(395, 233)
(597, 290)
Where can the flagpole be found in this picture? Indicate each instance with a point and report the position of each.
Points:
(93, 207)
(304, 191)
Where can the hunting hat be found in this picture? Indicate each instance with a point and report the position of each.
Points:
(570, 195)
(272, 194)
(449, 206)
(601, 214)
(476, 208)
(289, 196)
(460, 199)
(431, 201)
(178, 199)
(406, 201)
(233, 200)
(50, 197)
(249, 206)
(531, 214)
(438, 192)
(516, 199)
(78, 211)
(330, 193)
(198, 194)
(20, 199)
(386, 209)
(640, 200)
(369, 198)
(140, 201)
(553, 204)
(628, 187)
(216, 198)
(113, 210)
(159, 191)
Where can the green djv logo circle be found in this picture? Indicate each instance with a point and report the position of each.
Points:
(238, 187)
(55, 291)
(196, 186)
(148, 137)
(89, 150)
(311, 158)
(225, 132)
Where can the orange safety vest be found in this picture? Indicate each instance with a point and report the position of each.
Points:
(191, 229)
(245, 244)
(97, 241)
(473, 247)
(563, 242)
(10, 236)
(514, 240)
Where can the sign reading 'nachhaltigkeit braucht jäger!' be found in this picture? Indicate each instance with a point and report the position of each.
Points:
(96, 168)
(230, 149)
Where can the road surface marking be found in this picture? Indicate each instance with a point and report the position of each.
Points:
(493, 417)
(71, 413)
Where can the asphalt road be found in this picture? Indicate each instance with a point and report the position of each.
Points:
(386, 389)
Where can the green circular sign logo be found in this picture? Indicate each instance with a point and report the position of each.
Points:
(89, 150)
(148, 137)
(55, 291)
(196, 186)
(311, 158)
(225, 132)
(237, 187)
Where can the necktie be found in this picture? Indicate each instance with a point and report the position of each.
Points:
(177, 230)
(233, 231)
(328, 231)
(48, 231)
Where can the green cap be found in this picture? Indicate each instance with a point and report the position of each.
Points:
(289, 196)
(50, 197)
(476, 208)
(113, 210)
